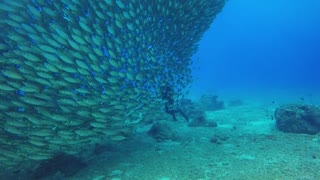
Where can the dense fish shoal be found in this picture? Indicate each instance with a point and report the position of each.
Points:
(75, 72)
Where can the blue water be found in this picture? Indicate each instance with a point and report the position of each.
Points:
(271, 44)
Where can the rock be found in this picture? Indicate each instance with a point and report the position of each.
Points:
(301, 119)
(215, 140)
(218, 139)
(195, 114)
(61, 165)
(312, 113)
(211, 103)
(199, 121)
(191, 109)
(212, 124)
(162, 132)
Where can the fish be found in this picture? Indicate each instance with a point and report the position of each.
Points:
(76, 72)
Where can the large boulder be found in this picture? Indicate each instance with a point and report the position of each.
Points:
(295, 118)
(196, 115)
(192, 109)
(211, 103)
(161, 131)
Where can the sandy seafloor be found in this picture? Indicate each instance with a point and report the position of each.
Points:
(250, 147)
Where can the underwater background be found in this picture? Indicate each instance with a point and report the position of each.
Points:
(261, 45)
(159, 90)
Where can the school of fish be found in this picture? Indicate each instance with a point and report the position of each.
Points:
(75, 72)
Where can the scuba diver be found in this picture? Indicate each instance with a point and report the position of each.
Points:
(168, 97)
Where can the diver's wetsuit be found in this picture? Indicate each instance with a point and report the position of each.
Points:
(169, 104)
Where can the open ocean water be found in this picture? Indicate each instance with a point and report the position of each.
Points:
(261, 46)
(159, 90)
